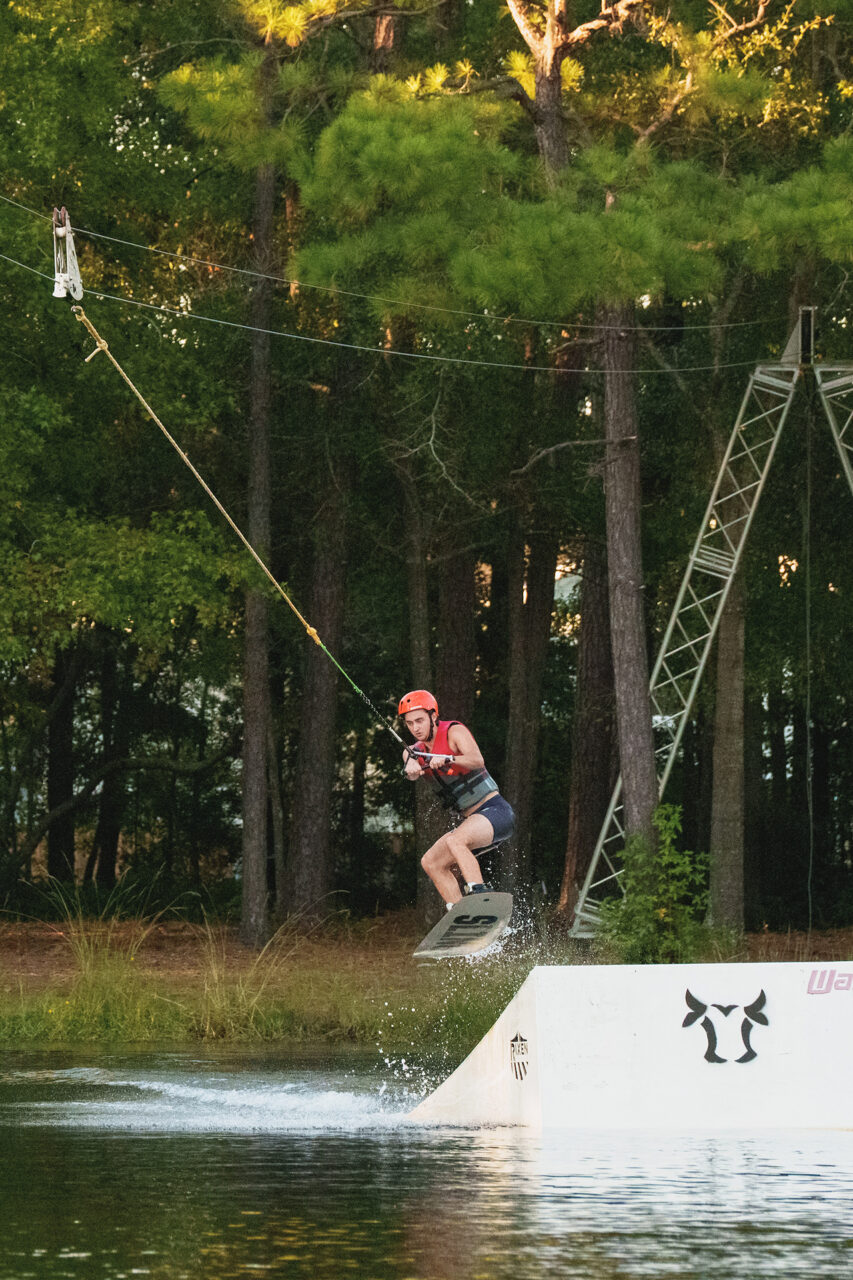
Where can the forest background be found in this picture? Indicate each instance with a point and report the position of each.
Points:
(409, 283)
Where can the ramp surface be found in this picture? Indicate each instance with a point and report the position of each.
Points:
(686, 1046)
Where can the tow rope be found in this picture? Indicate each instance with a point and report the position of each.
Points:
(102, 345)
(67, 280)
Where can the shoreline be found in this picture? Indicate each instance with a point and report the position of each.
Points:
(77, 982)
(130, 982)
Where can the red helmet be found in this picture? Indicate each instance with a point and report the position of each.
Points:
(417, 700)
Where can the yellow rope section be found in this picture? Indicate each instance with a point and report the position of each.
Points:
(103, 346)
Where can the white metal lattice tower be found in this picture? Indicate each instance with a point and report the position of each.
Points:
(713, 562)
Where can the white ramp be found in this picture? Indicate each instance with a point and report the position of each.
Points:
(687, 1046)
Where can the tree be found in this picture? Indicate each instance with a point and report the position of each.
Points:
(695, 184)
(310, 867)
(593, 728)
(259, 108)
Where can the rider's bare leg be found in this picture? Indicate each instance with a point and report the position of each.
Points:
(454, 850)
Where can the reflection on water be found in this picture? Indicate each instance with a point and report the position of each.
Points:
(171, 1166)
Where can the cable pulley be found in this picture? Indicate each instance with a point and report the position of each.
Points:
(66, 271)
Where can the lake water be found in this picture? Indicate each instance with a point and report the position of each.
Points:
(204, 1166)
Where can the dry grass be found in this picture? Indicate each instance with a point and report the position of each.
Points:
(797, 944)
(173, 980)
(34, 954)
(131, 980)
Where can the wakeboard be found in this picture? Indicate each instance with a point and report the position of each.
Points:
(469, 926)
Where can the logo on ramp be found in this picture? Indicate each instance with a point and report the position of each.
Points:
(822, 981)
(715, 1030)
(518, 1056)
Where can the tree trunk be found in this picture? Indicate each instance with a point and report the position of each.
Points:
(278, 825)
(593, 729)
(531, 603)
(60, 771)
(115, 734)
(755, 806)
(704, 797)
(548, 46)
(725, 907)
(798, 821)
(821, 788)
(384, 31)
(257, 712)
(194, 846)
(457, 640)
(429, 815)
(625, 569)
(727, 834)
(416, 564)
(551, 139)
(356, 807)
(254, 923)
(777, 719)
(310, 871)
(775, 836)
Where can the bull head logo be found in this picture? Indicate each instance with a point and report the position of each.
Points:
(753, 1013)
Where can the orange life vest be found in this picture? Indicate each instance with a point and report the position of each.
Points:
(459, 787)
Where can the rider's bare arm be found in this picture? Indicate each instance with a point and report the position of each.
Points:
(464, 747)
(411, 768)
(464, 751)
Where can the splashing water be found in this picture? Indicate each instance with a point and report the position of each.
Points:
(161, 1098)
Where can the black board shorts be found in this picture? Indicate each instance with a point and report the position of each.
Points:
(502, 817)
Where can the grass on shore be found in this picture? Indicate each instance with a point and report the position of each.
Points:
(337, 984)
(135, 981)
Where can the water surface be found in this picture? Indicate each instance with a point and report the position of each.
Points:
(175, 1165)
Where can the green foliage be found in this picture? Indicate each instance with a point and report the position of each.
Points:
(108, 998)
(806, 214)
(705, 169)
(388, 151)
(433, 186)
(112, 1004)
(658, 920)
(296, 23)
(82, 573)
(331, 988)
(222, 103)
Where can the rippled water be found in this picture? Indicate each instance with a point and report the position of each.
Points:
(179, 1165)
